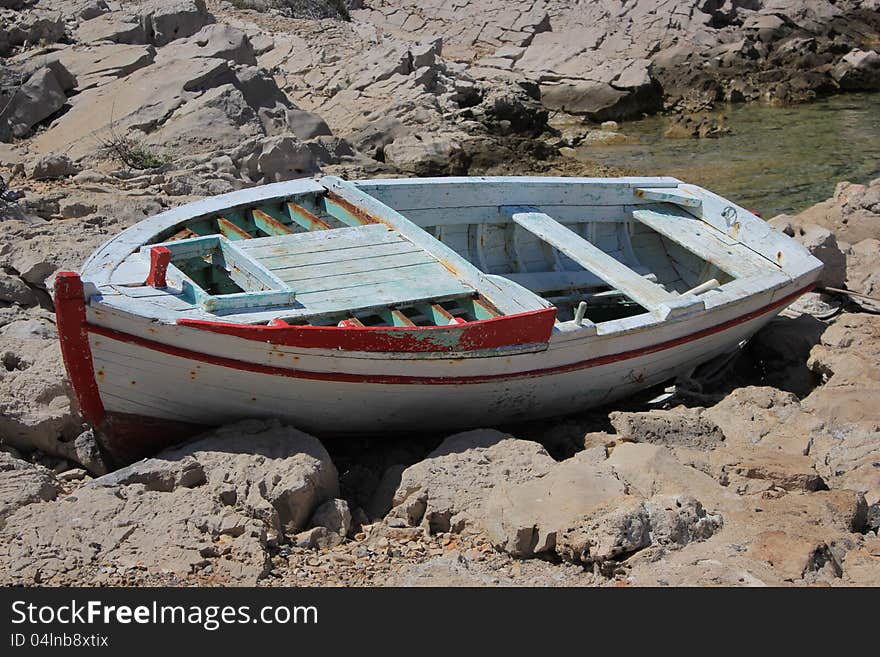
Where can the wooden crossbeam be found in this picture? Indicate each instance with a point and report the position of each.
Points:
(346, 211)
(186, 233)
(397, 318)
(436, 313)
(230, 231)
(268, 224)
(305, 218)
(483, 310)
(617, 275)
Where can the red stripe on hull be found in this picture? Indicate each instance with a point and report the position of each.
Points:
(532, 327)
(422, 380)
(70, 315)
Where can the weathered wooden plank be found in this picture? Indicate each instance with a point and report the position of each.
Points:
(489, 214)
(304, 218)
(182, 235)
(230, 231)
(453, 261)
(400, 276)
(681, 197)
(378, 296)
(340, 256)
(267, 224)
(614, 273)
(337, 238)
(403, 195)
(703, 241)
(329, 268)
(346, 211)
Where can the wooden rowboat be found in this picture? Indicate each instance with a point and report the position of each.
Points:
(418, 305)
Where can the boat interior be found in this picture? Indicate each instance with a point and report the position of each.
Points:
(408, 253)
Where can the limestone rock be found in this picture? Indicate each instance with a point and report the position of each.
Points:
(822, 244)
(650, 470)
(48, 167)
(620, 530)
(279, 158)
(524, 518)
(157, 474)
(272, 472)
(164, 20)
(22, 483)
(177, 533)
(15, 290)
(766, 416)
(35, 410)
(34, 101)
(862, 274)
(96, 63)
(859, 70)
(459, 475)
(674, 427)
(219, 41)
(334, 515)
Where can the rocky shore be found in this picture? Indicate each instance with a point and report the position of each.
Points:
(760, 471)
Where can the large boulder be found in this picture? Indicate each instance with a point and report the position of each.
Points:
(220, 41)
(524, 518)
(23, 483)
(140, 101)
(862, 273)
(858, 70)
(35, 409)
(34, 101)
(279, 158)
(164, 20)
(447, 491)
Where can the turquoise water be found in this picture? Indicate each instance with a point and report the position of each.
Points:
(778, 159)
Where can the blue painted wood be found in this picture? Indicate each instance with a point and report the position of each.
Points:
(269, 224)
(279, 263)
(400, 278)
(362, 264)
(324, 240)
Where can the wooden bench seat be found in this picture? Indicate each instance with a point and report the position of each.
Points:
(352, 268)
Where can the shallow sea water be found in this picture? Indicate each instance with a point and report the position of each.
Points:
(778, 159)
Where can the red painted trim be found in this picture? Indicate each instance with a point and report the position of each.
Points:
(507, 331)
(160, 258)
(425, 380)
(70, 312)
